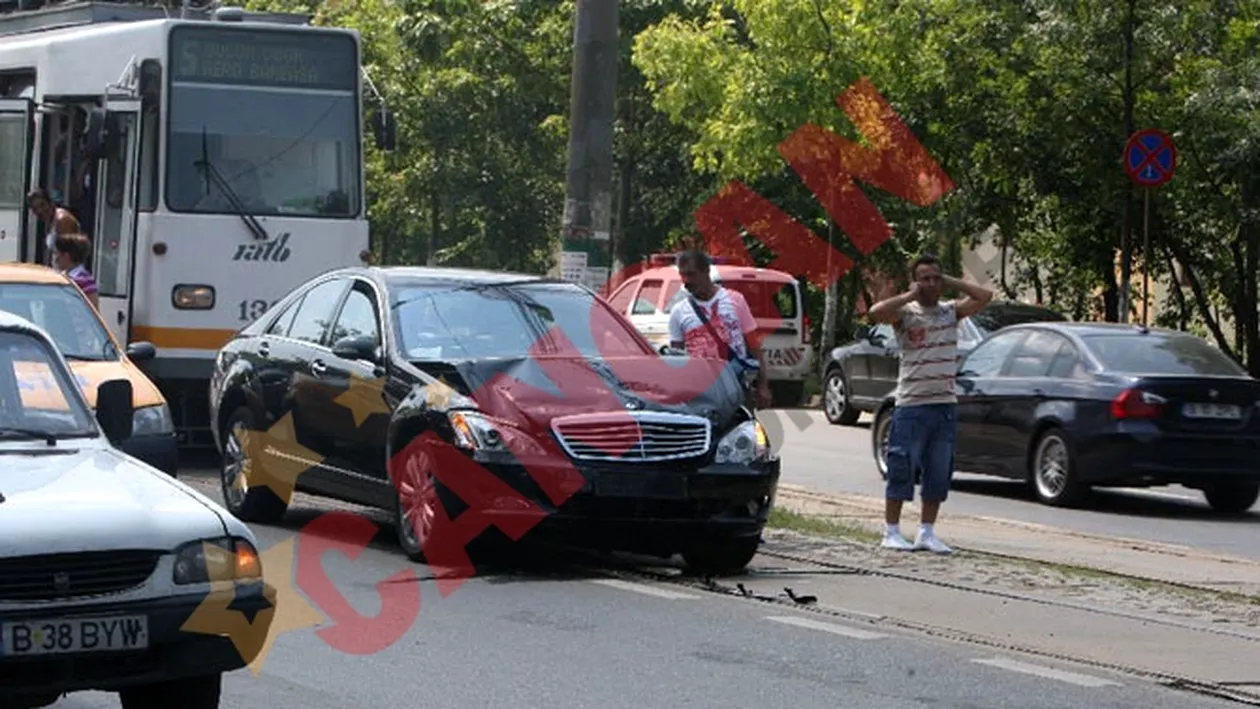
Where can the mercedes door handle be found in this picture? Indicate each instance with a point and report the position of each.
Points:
(318, 367)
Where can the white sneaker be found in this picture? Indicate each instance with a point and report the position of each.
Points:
(928, 540)
(896, 542)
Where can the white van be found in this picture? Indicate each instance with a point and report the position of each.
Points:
(774, 297)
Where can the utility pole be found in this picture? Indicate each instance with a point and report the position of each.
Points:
(585, 244)
(1126, 224)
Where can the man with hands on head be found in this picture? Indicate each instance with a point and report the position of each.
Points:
(923, 428)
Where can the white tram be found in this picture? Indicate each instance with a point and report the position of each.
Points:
(215, 162)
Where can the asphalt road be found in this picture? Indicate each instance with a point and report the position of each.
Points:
(838, 459)
(562, 640)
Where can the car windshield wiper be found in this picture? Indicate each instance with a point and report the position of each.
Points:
(508, 284)
(429, 293)
(16, 432)
(82, 358)
(212, 174)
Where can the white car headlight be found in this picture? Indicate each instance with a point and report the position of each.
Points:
(745, 443)
(152, 421)
(222, 559)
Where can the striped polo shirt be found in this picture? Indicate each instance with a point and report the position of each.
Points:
(928, 338)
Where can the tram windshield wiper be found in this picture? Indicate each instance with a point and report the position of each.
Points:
(212, 174)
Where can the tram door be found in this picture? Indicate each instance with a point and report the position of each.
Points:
(16, 143)
(115, 234)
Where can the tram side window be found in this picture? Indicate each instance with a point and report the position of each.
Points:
(12, 161)
(150, 129)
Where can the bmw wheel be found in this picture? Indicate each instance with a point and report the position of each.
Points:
(836, 400)
(1054, 474)
(879, 439)
(1232, 498)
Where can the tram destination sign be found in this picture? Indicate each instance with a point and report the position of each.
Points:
(264, 57)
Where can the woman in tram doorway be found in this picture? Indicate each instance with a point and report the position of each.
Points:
(58, 219)
(70, 253)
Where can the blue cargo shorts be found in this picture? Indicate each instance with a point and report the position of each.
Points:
(921, 437)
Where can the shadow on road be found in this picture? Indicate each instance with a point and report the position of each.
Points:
(1111, 502)
(500, 561)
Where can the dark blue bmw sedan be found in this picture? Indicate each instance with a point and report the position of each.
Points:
(1069, 406)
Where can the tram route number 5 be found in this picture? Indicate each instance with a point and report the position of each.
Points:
(249, 310)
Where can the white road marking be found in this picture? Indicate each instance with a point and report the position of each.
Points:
(1048, 672)
(644, 589)
(826, 627)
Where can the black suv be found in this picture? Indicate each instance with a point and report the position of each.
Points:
(860, 375)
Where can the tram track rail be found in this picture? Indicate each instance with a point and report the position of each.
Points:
(632, 569)
(1243, 693)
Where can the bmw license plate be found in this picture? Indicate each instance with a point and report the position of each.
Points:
(1228, 412)
(60, 636)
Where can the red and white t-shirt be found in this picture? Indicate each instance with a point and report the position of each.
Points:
(729, 315)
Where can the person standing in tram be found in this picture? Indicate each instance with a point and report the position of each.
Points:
(70, 254)
(57, 220)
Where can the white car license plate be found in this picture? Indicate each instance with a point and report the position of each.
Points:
(780, 357)
(58, 636)
(1211, 411)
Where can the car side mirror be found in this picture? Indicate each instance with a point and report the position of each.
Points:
(862, 332)
(360, 347)
(385, 129)
(114, 409)
(141, 351)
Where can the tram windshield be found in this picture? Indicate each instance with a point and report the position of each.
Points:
(264, 120)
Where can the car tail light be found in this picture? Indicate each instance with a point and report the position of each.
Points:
(1137, 404)
(807, 330)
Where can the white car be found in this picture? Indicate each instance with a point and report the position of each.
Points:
(104, 559)
(775, 298)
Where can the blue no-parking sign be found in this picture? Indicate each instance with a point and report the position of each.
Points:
(1150, 157)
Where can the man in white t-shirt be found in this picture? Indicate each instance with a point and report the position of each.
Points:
(715, 322)
(924, 423)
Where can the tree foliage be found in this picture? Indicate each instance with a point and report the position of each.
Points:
(1026, 104)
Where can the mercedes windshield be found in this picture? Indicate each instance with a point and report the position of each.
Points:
(495, 320)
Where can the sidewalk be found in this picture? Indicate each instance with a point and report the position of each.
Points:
(1146, 560)
(1185, 649)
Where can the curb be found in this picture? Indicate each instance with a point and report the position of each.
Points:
(1041, 544)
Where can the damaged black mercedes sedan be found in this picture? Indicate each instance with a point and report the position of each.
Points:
(481, 406)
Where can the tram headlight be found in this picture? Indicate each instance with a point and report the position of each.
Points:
(192, 297)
